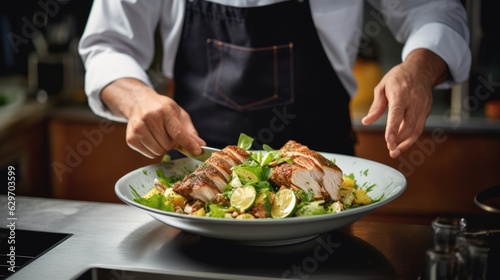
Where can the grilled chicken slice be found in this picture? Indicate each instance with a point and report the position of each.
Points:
(222, 165)
(227, 157)
(332, 174)
(197, 186)
(290, 174)
(310, 165)
(237, 152)
(213, 174)
(211, 178)
(316, 171)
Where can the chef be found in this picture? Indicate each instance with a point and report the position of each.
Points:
(273, 69)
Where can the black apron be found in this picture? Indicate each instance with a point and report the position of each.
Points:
(261, 71)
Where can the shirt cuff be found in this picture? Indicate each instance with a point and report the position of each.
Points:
(446, 43)
(104, 69)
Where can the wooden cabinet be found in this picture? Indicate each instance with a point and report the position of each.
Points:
(23, 147)
(444, 170)
(88, 156)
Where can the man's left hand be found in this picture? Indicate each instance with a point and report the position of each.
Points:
(406, 91)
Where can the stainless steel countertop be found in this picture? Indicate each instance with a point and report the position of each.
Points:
(117, 236)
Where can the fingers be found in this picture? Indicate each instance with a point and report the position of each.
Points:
(408, 102)
(378, 106)
(160, 126)
(190, 140)
(394, 119)
(152, 142)
(146, 139)
(182, 134)
(401, 130)
(405, 123)
(410, 130)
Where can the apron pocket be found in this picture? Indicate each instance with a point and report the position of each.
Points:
(244, 78)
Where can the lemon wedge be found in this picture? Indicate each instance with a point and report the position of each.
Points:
(284, 204)
(243, 198)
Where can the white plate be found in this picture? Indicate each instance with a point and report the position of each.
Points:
(386, 182)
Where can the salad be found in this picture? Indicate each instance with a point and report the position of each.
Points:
(263, 184)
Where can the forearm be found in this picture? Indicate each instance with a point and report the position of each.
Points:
(429, 66)
(438, 26)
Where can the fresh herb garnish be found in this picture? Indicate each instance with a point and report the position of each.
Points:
(157, 201)
(167, 181)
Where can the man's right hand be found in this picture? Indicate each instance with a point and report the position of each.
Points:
(156, 123)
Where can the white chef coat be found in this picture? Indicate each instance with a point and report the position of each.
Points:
(118, 40)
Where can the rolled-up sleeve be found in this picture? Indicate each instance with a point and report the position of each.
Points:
(439, 26)
(113, 47)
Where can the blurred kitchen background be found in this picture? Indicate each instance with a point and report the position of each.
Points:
(60, 149)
